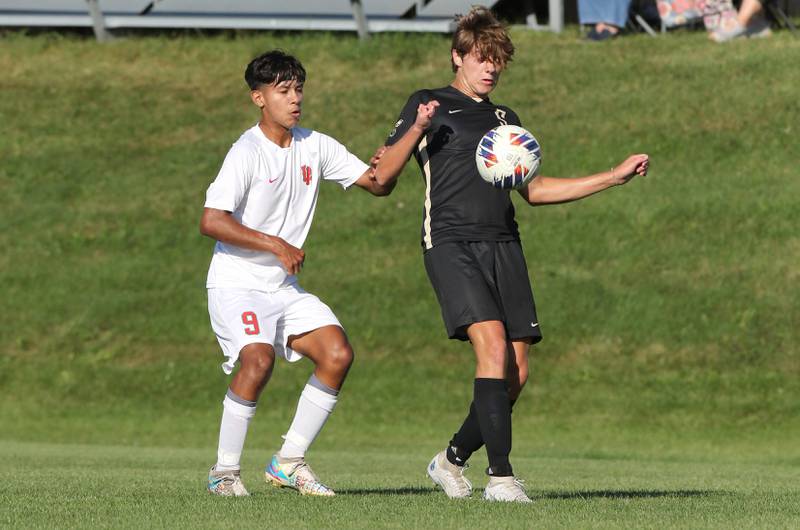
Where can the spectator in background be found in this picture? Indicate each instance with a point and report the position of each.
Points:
(750, 22)
(607, 17)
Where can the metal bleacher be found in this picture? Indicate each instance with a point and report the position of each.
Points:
(327, 15)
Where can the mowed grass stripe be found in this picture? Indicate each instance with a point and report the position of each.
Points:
(79, 486)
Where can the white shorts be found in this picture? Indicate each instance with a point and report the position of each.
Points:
(244, 316)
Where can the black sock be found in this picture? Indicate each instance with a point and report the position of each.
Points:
(493, 410)
(468, 439)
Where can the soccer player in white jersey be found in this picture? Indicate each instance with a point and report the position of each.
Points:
(259, 209)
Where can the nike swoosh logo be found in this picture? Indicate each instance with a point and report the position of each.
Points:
(272, 180)
(454, 111)
(534, 324)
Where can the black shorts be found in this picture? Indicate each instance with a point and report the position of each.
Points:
(477, 281)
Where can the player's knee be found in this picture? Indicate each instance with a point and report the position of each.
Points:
(257, 360)
(263, 365)
(339, 357)
(495, 354)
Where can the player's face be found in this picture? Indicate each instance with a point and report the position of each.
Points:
(476, 75)
(281, 102)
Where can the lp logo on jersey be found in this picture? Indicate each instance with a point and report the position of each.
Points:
(306, 172)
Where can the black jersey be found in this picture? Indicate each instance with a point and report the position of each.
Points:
(459, 204)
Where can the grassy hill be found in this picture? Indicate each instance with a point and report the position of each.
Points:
(669, 306)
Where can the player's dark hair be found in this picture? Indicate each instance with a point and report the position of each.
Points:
(273, 67)
(479, 30)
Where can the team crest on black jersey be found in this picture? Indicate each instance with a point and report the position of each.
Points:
(396, 125)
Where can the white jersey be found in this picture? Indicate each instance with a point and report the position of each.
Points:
(273, 190)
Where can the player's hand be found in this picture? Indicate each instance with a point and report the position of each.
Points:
(425, 112)
(373, 162)
(291, 257)
(632, 166)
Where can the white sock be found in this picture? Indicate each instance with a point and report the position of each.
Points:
(236, 416)
(315, 405)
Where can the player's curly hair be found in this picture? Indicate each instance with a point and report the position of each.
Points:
(479, 30)
(273, 67)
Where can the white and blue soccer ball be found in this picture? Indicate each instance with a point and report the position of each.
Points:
(508, 157)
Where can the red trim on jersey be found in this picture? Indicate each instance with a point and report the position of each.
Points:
(306, 171)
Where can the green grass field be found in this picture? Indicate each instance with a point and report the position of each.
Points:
(112, 486)
(666, 393)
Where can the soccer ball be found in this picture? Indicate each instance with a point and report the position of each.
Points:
(508, 157)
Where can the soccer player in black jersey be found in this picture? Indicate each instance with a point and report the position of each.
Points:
(471, 244)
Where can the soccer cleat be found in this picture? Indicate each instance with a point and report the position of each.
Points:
(226, 483)
(296, 475)
(505, 489)
(449, 476)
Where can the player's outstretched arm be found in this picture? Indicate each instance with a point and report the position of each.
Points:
(549, 190)
(393, 161)
(220, 225)
(367, 180)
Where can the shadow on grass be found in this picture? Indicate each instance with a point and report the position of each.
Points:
(626, 494)
(609, 494)
(387, 491)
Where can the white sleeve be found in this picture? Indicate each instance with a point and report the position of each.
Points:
(233, 180)
(337, 164)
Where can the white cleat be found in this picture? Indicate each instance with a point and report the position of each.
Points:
(505, 489)
(450, 477)
(226, 483)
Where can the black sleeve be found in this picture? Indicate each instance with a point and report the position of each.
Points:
(407, 117)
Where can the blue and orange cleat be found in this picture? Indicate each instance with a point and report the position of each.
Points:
(297, 475)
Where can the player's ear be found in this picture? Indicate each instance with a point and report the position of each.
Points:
(457, 59)
(258, 98)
